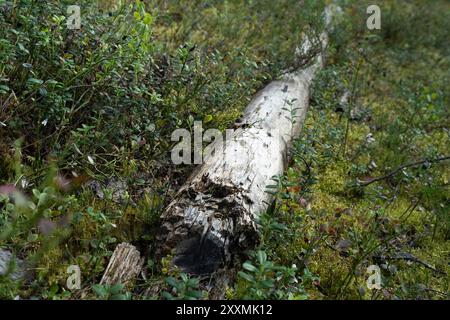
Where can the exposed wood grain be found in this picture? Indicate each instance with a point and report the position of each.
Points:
(124, 266)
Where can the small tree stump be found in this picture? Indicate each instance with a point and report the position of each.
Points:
(125, 265)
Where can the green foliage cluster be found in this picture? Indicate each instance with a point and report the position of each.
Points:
(327, 219)
(183, 288)
(111, 93)
(106, 292)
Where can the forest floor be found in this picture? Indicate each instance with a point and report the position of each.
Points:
(86, 118)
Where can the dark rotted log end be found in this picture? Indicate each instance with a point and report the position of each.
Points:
(200, 256)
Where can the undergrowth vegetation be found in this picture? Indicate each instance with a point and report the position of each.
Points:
(369, 180)
(85, 123)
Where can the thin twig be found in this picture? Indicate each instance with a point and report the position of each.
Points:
(409, 257)
(394, 172)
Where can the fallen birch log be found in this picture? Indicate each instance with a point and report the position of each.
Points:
(214, 213)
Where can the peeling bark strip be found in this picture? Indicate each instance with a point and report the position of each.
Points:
(214, 212)
(125, 265)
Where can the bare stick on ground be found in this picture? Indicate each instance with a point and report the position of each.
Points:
(124, 266)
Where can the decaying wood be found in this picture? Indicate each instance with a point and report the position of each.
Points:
(11, 266)
(124, 266)
(214, 213)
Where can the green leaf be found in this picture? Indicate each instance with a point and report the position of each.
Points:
(22, 48)
(125, 296)
(34, 81)
(267, 284)
(42, 199)
(193, 283)
(196, 294)
(36, 193)
(262, 257)
(171, 281)
(117, 288)
(52, 82)
(100, 290)
(246, 276)
(278, 226)
(208, 118)
(167, 295)
(148, 19)
(249, 267)
(184, 277)
(43, 92)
